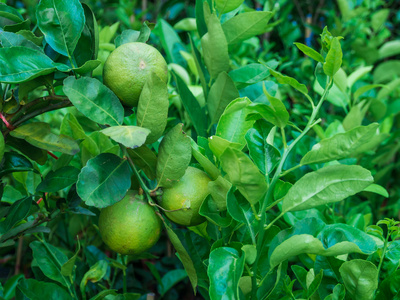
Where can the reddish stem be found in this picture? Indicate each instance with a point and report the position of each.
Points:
(40, 200)
(8, 125)
(52, 155)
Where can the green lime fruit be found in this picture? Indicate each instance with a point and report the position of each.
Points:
(130, 226)
(127, 68)
(186, 196)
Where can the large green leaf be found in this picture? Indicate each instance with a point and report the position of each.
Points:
(246, 25)
(225, 268)
(360, 278)
(341, 145)
(174, 155)
(94, 100)
(327, 185)
(50, 259)
(19, 64)
(38, 290)
(61, 23)
(196, 112)
(170, 279)
(129, 136)
(39, 135)
(244, 174)
(222, 92)
(145, 159)
(104, 180)
(152, 111)
(218, 145)
(333, 60)
(263, 154)
(225, 6)
(232, 125)
(215, 48)
(59, 179)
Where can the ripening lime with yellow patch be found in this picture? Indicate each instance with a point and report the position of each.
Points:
(127, 68)
(130, 226)
(185, 198)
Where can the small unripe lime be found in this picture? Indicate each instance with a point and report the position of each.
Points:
(127, 68)
(186, 197)
(130, 226)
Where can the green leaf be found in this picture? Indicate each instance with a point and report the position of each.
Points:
(377, 189)
(61, 23)
(50, 259)
(240, 210)
(215, 48)
(222, 92)
(59, 179)
(39, 135)
(224, 270)
(360, 278)
(390, 48)
(18, 211)
(249, 74)
(275, 113)
(88, 44)
(145, 159)
(203, 160)
(15, 162)
(152, 111)
(365, 89)
(333, 60)
(19, 64)
(219, 189)
(127, 36)
(129, 136)
(310, 52)
(8, 13)
(170, 279)
(68, 267)
(246, 25)
(233, 125)
(339, 293)
(327, 185)
(196, 112)
(212, 213)
(341, 145)
(94, 100)
(145, 32)
(263, 154)
(333, 240)
(174, 155)
(282, 79)
(104, 180)
(87, 67)
(244, 174)
(39, 290)
(218, 145)
(225, 6)
(10, 39)
(183, 256)
(201, 23)
(95, 274)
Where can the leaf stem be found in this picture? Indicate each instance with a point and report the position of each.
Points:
(274, 180)
(290, 170)
(283, 138)
(384, 251)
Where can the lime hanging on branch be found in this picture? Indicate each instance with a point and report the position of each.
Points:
(129, 66)
(130, 226)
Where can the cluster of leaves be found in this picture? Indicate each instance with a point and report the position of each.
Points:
(281, 162)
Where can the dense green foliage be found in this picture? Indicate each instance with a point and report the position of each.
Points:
(290, 107)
